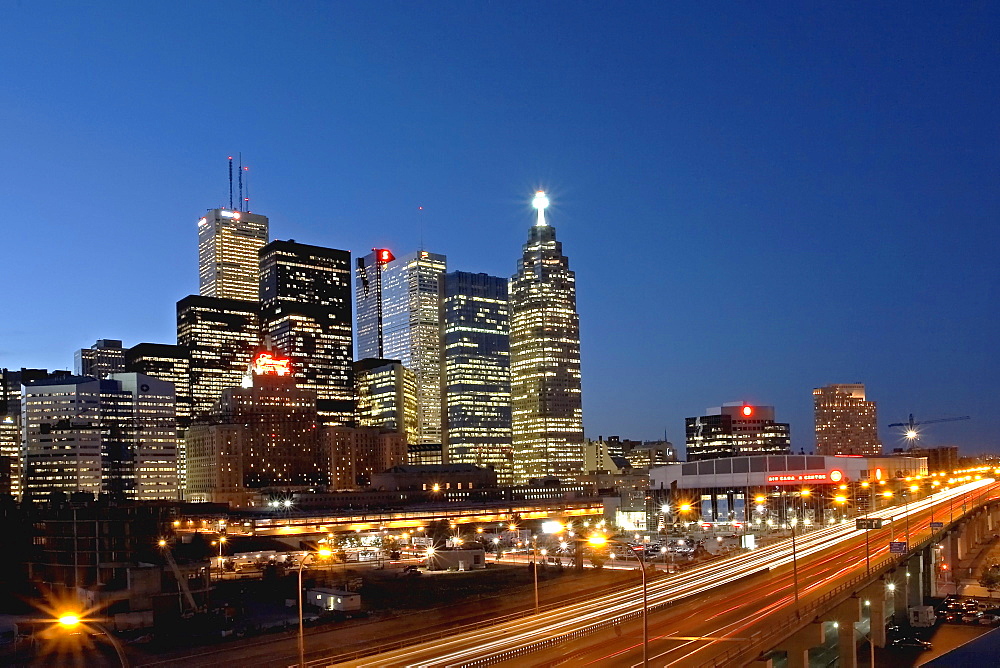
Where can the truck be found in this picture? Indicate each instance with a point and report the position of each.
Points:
(922, 616)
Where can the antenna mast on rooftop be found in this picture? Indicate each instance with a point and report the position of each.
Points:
(230, 182)
(241, 180)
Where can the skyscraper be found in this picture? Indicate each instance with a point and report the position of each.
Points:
(547, 413)
(846, 422)
(105, 357)
(306, 315)
(115, 436)
(736, 429)
(387, 397)
(10, 421)
(410, 329)
(475, 349)
(221, 336)
(369, 297)
(228, 243)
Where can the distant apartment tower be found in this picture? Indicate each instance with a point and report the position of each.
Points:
(736, 429)
(547, 417)
(257, 438)
(386, 393)
(114, 436)
(305, 296)
(105, 357)
(228, 244)
(221, 337)
(410, 327)
(846, 422)
(475, 383)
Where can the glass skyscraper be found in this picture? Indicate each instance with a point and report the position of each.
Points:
(228, 242)
(475, 349)
(547, 413)
(305, 296)
(410, 317)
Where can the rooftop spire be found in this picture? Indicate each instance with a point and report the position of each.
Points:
(540, 202)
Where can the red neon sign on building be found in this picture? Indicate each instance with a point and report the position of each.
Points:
(268, 364)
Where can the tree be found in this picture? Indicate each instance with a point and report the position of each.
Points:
(989, 580)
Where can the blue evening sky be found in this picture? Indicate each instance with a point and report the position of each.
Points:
(757, 198)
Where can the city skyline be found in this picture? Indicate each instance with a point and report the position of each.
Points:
(849, 223)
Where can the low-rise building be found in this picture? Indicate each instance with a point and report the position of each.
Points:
(463, 559)
(333, 599)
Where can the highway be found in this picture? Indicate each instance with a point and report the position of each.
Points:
(695, 615)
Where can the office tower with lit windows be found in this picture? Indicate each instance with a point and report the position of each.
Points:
(305, 296)
(167, 362)
(221, 337)
(114, 436)
(10, 421)
(257, 438)
(410, 328)
(846, 422)
(228, 262)
(368, 294)
(547, 412)
(386, 393)
(475, 383)
(105, 357)
(170, 363)
(735, 429)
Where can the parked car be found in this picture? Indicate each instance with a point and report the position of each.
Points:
(988, 620)
(971, 617)
(911, 643)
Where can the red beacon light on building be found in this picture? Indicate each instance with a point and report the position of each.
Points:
(268, 364)
(747, 411)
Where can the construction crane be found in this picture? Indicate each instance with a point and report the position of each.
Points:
(911, 432)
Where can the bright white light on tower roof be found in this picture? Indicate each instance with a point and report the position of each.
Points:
(541, 200)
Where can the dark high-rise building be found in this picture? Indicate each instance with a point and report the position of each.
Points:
(736, 429)
(846, 422)
(475, 363)
(547, 413)
(305, 296)
(228, 242)
(105, 357)
(221, 336)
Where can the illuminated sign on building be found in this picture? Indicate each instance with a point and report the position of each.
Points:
(267, 364)
(834, 476)
(383, 255)
(230, 214)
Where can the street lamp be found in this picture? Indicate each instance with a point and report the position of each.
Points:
(597, 540)
(323, 553)
(71, 620)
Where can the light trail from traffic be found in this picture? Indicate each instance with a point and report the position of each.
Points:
(508, 640)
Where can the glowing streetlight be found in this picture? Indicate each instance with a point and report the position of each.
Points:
(322, 553)
(69, 620)
(598, 540)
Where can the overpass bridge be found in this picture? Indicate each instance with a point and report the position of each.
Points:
(281, 524)
(782, 603)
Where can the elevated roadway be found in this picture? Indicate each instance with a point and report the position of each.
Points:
(721, 613)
